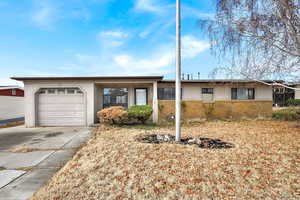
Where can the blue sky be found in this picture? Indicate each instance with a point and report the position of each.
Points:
(100, 37)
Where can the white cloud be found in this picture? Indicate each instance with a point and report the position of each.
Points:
(148, 6)
(162, 26)
(7, 81)
(44, 15)
(113, 38)
(190, 12)
(191, 46)
(158, 63)
(162, 60)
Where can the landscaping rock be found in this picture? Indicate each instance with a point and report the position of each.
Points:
(206, 143)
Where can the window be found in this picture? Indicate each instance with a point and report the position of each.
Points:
(207, 94)
(14, 92)
(70, 91)
(115, 97)
(121, 99)
(107, 99)
(51, 91)
(242, 93)
(61, 91)
(166, 93)
(141, 95)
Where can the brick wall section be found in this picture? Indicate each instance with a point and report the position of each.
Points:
(217, 109)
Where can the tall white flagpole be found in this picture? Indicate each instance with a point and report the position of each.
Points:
(178, 72)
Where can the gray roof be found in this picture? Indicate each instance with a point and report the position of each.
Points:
(159, 78)
(8, 87)
(87, 77)
(223, 81)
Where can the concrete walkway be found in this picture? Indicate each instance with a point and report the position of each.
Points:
(22, 174)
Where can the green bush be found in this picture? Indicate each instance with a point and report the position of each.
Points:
(140, 113)
(293, 102)
(287, 114)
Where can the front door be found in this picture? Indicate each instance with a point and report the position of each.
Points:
(141, 96)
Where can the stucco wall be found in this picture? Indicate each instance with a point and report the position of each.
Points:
(297, 92)
(11, 107)
(31, 87)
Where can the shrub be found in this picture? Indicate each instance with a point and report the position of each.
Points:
(293, 102)
(287, 114)
(140, 113)
(113, 115)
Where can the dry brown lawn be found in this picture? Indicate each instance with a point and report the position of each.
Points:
(12, 124)
(263, 165)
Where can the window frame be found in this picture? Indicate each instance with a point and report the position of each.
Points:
(147, 103)
(58, 90)
(70, 89)
(235, 97)
(52, 89)
(158, 97)
(212, 93)
(104, 105)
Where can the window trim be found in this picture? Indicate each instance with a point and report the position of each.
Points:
(147, 103)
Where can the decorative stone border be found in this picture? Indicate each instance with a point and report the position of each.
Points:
(205, 143)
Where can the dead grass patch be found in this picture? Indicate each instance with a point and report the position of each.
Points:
(25, 149)
(11, 124)
(22, 149)
(26, 168)
(263, 165)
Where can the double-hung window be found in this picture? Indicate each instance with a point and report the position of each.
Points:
(207, 94)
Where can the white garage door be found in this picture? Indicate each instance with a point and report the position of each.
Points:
(61, 107)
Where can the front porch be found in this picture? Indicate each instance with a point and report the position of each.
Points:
(126, 94)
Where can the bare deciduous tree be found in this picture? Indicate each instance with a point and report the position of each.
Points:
(259, 38)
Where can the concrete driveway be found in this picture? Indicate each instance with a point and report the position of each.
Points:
(22, 174)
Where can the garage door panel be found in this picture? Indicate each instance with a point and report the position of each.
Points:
(61, 110)
(61, 99)
(56, 123)
(49, 115)
(57, 108)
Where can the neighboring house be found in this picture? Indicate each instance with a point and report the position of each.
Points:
(11, 104)
(74, 101)
(281, 94)
(14, 91)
